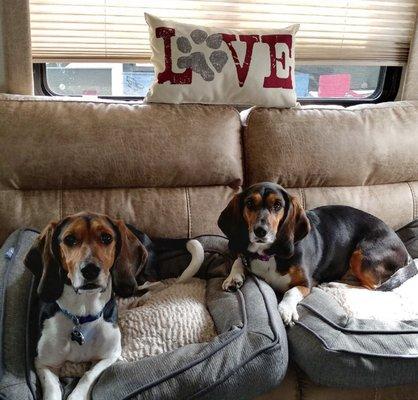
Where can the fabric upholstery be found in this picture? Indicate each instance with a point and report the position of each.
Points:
(17, 56)
(312, 391)
(324, 147)
(71, 144)
(162, 212)
(288, 389)
(396, 203)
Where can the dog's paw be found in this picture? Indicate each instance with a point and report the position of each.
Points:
(289, 313)
(233, 283)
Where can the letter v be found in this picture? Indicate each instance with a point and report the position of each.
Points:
(242, 71)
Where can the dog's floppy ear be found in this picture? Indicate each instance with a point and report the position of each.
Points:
(293, 229)
(43, 261)
(130, 259)
(231, 222)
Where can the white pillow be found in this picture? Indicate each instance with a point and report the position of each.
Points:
(195, 64)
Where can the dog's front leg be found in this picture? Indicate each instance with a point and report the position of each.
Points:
(288, 306)
(85, 384)
(51, 388)
(236, 277)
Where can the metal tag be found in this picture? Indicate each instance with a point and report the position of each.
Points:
(77, 336)
(82, 333)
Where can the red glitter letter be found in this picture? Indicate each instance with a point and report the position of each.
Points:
(242, 71)
(184, 78)
(273, 81)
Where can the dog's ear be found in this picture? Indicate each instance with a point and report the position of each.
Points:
(231, 222)
(130, 259)
(43, 261)
(293, 229)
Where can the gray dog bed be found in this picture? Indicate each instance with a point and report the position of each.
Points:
(247, 357)
(358, 338)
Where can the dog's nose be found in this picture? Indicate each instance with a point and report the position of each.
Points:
(260, 232)
(90, 271)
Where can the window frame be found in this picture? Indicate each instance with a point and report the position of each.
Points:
(389, 84)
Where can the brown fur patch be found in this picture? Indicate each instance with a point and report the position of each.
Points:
(297, 276)
(271, 199)
(274, 220)
(251, 215)
(366, 278)
(304, 291)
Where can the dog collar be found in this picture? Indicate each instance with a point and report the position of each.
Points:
(246, 259)
(82, 319)
(257, 256)
(79, 333)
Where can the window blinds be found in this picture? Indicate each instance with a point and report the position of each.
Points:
(340, 31)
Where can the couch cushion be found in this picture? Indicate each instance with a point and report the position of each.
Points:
(356, 146)
(395, 203)
(162, 212)
(64, 144)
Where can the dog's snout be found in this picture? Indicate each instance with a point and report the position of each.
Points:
(90, 271)
(260, 232)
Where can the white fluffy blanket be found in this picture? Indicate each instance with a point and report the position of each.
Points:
(165, 320)
(401, 304)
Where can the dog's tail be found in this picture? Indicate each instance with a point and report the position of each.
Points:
(195, 248)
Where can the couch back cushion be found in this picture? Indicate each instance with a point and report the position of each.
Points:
(167, 169)
(363, 156)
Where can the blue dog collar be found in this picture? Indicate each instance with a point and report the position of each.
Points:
(83, 319)
(80, 319)
(81, 334)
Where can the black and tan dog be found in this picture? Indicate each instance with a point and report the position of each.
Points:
(274, 238)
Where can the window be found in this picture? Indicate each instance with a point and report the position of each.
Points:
(99, 79)
(348, 50)
(351, 84)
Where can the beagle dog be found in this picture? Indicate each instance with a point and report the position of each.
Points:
(272, 237)
(79, 263)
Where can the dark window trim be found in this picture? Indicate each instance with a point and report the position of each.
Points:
(389, 83)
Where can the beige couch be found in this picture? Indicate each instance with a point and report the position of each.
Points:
(171, 169)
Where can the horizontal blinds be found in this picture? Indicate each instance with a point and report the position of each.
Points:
(364, 31)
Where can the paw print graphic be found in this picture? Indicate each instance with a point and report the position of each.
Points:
(197, 60)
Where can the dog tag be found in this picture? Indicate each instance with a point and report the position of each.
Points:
(77, 336)
(82, 333)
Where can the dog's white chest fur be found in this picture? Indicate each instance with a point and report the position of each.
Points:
(55, 345)
(267, 270)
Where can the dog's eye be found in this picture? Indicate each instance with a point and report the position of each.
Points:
(105, 238)
(70, 240)
(250, 204)
(277, 206)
